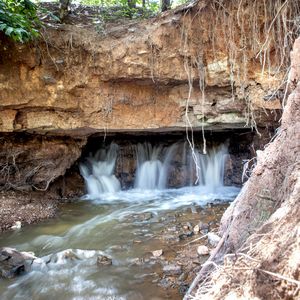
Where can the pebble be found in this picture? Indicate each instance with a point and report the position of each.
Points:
(202, 250)
(196, 229)
(213, 239)
(157, 253)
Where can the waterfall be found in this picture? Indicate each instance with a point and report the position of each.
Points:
(206, 170)
(152, 166)
(212, 167)
(156, 167)
(98, 171)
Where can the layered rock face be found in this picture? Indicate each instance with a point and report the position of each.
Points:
(28, 161)
(135, 77)
(146, 76)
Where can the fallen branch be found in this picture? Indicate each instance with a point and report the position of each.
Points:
(197, 239)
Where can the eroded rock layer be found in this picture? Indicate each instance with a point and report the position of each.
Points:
(164, 74)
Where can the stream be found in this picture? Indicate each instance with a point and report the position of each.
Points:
(126, 226)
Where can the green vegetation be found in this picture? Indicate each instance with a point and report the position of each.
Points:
(125, 8)
(18, 19)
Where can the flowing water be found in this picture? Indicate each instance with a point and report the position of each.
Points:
(125, 226)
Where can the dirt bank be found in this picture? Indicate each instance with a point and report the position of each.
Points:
(261, 229)
(25, 207)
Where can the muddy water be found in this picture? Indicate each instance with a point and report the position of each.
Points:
(126, 227)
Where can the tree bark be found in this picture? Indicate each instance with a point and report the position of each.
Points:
(63, 9)
(165, 5)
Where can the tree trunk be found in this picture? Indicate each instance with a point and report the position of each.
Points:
(63, 9)
(165, 5)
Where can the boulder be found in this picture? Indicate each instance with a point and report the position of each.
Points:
(13, 262)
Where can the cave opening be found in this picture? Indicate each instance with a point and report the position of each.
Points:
(156, 152)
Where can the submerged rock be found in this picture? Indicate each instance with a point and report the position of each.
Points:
(173, 269)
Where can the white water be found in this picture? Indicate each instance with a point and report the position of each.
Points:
(98, 171)
(152, 166)
(108, 225)
(211, 167)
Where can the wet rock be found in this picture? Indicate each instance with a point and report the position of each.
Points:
(171, 270)
(137, 241)
(104, 261)
(213, 239)
(13, 262)
(157, 253)
(17, 225)
(136, 261)
(143, 217)
(186, 234)
(71, 255)
(202, 250)
(171, 238)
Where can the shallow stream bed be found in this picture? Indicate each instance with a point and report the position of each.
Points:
(126, 227)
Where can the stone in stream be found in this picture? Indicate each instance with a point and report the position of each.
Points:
(13, 262)
(136, 261)
(17, 225)
(202, 250)
(157, 253)
(170, 238)
(103, 260)
(171, 270)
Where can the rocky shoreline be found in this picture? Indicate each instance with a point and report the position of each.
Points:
(19, 208)
(183, 246)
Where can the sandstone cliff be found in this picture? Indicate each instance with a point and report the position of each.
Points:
(187, 67)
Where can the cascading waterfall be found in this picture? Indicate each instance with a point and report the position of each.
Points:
(152, 166)
(98, 171)
(211, 167)
(155, 165)
(205, 170)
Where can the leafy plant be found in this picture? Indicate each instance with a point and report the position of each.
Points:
(18, 19)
